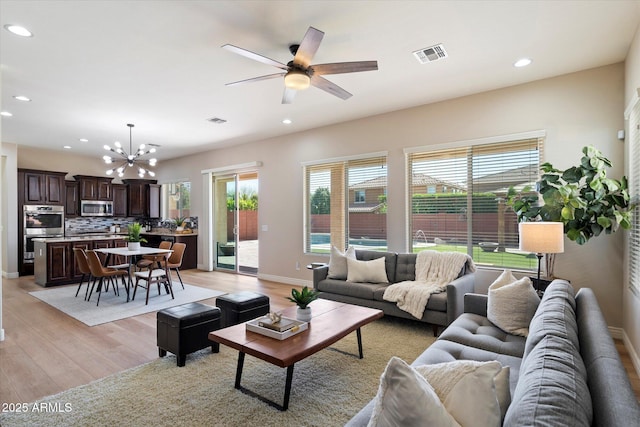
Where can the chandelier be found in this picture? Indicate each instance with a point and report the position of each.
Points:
(129, 159)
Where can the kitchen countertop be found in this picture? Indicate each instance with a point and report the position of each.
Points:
(109, 236)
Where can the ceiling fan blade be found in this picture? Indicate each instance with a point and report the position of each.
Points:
(256, 79)
(308, 47)
(327, 86)
(288, 95)
(344, 67)
(256, 57)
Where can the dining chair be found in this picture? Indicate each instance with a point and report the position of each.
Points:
(101, 272)
(175, 259)
(83, 266)
(147, 260)
(154, 275)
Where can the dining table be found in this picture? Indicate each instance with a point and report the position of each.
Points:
(131, 255)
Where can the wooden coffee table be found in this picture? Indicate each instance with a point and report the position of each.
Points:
(330, 322)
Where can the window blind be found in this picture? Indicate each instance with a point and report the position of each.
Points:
(345, 204)
(634, 193)
(456, 199)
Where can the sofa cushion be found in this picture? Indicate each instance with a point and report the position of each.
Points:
(477, 331)
(367, 271)
(338, 262)
(555, 316)
(406, 267)
(437, 302)
(449, 351)
(512, 303)
(389, 261)
(358, 290)
(405, 398)
(468, 389)
(552, 387)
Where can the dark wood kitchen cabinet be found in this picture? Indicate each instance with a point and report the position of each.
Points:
(94, 187)
(119, 199)
(59, 263)
(55, 262)
(41, 187)
(143, 196)
(72, 201)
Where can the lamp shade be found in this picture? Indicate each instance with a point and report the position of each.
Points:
(297, 80)
(542, 237)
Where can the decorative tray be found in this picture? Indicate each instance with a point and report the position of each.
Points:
(299, 326)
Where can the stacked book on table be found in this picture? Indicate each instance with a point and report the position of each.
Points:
(285, 328)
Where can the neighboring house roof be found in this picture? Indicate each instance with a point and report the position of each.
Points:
(365, 207)
(418, 179)
(498, 182)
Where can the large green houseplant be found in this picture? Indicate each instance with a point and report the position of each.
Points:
(581, 197)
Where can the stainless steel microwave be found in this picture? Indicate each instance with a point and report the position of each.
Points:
(96, 208)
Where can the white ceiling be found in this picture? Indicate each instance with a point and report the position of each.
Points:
(94, 66)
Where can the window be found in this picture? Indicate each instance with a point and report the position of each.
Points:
(345, 204)
(633, 135)
(464, 206)
(176, 198)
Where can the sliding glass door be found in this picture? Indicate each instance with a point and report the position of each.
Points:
(236, 222)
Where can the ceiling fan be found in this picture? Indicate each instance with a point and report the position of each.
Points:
(299, 73)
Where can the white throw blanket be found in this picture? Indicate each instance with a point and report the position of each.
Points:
(434, 271)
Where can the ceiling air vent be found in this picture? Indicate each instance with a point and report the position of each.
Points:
(430, 54)
(217, 120)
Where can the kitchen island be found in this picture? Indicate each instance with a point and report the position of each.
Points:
(54, 261)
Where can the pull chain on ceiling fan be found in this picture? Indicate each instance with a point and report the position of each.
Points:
(299, 74)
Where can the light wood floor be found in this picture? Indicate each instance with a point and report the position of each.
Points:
(46, 352)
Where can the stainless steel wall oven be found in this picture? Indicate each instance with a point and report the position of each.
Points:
(41, 221)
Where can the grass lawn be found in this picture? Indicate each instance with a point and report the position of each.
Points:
(480, 257)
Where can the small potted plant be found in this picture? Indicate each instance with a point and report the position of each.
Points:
(303, 299)
(133, 236)
(180, 222)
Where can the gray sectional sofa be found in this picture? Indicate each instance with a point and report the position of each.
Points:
(567, 372)
(441, 309)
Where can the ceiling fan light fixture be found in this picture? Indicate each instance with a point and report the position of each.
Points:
(297, 80)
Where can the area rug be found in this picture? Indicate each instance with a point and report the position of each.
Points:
(114, 307)
(328, 387)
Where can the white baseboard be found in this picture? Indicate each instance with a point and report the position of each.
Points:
(632, 352)
(14, 275)
(616, 333)
(1, 334)
(286, 280)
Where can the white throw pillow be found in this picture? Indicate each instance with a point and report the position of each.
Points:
(338, 262)
(512, 303)
(406, 399)
(373, 271)
(469, 390)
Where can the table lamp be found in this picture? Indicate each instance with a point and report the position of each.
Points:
(541, 238)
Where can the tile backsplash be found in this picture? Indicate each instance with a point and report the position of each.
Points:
(80, 225)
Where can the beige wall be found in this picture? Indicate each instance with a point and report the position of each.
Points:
(575, 110)
(631, 309)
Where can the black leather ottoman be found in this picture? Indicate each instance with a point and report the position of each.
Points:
(242, 306)
(185, 329)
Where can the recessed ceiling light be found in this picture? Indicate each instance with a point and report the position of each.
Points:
(522, 62)
(287, 121)
(18, 30)
(84, 140)
(22, 98)
(5, 114)
(67, 147)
